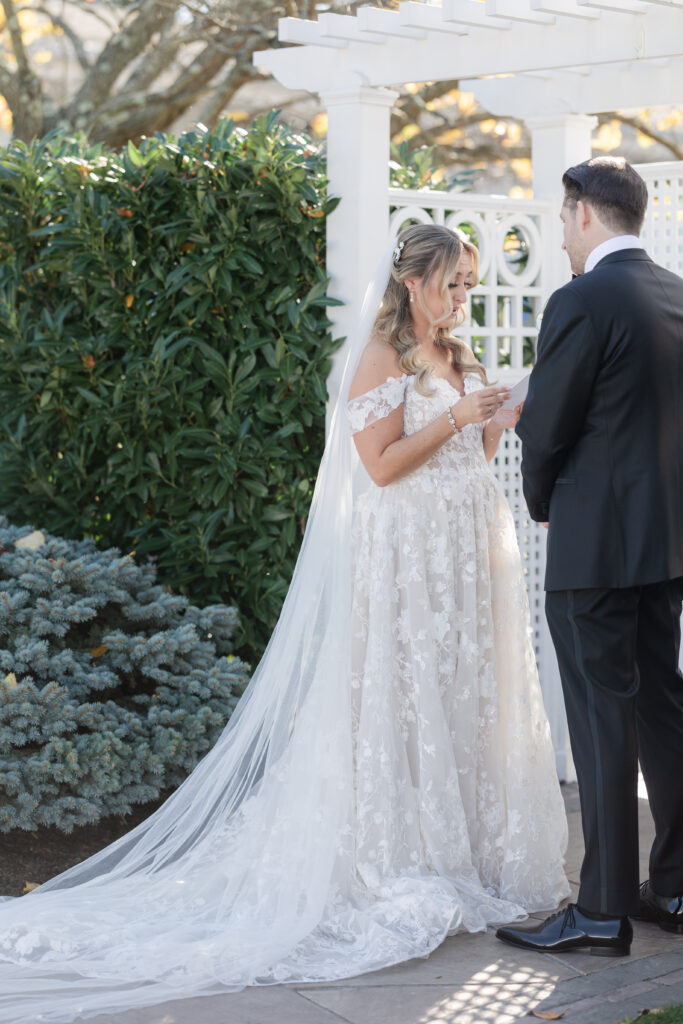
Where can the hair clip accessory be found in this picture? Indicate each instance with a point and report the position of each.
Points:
(397, 251)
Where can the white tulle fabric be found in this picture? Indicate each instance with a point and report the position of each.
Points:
(387, 778)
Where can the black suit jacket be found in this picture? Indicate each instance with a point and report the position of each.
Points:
(602, 426)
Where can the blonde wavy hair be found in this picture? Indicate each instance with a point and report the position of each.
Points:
(426, 250)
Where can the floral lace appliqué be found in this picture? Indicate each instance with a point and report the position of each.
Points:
(376, 404)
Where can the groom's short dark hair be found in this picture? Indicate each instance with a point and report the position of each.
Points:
(613, 188)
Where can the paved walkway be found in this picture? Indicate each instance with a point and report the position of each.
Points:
(470, 979)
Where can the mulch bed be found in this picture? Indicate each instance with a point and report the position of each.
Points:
(36, 856)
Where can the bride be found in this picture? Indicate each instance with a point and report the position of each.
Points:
(388, 777)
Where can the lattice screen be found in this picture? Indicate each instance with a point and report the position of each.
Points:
(502, 329)
(663, 229)
(512, 236)
(509, 235)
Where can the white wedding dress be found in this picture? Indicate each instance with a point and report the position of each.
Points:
(398, 787)
(456, 790)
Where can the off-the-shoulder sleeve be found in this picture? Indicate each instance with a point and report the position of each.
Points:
(376, 404)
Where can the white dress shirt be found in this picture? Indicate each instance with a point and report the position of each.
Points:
(611, 245)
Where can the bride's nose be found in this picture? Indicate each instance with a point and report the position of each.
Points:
(458, 294)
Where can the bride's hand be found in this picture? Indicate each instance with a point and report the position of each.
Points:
(507, 418)
(480, 405)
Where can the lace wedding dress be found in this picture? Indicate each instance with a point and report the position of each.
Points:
(456, 790)
(387, 779)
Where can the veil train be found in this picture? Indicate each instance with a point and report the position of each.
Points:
(226, 883)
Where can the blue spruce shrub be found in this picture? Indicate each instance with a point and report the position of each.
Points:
(111, 687)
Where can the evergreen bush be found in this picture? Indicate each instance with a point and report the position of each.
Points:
(111, 687)
(165, 347)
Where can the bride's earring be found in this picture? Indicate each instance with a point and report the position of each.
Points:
(412, 295)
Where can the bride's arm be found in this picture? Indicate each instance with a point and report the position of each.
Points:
(503, 420)
(387, 455)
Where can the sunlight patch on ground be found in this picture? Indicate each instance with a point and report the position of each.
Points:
(495, 995)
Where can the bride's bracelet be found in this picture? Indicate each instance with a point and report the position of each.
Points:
(451, 420)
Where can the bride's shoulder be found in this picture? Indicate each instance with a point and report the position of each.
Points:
(378, 363)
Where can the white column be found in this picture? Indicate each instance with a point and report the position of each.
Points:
(557, 142)
(357, 231)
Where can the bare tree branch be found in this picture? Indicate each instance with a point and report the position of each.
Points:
(151, 65)
(119, 51)
(649, 132)
(27, 112)
(8, 87)
(199, 72)
(242, 71)
(93, 12)
(162, 56)
(72, 36)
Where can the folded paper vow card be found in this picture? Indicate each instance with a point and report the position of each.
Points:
(518, 393)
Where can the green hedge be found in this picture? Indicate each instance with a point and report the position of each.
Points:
(165, 346)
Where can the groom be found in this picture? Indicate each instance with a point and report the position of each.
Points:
(602, 461)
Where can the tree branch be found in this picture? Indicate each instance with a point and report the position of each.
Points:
(129, 115)
(88, 8)
(27, 113)
(72, 36)
(153, 64)
(8, 87)
(656, 136)
(130, 41)
(199, 72)
(237, 76)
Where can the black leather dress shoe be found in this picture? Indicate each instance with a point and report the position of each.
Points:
(570, 929)
(666, 911)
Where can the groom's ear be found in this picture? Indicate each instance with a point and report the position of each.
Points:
(584, 215)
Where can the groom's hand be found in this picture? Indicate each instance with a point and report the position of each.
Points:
(544, 524)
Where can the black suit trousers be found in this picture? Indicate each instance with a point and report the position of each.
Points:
(618, 652)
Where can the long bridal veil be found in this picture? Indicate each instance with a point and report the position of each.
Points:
(224, 884)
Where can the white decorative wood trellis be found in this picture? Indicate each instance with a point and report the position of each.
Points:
(560, 61)
(511, 299)
(510, 294)
(663, 229)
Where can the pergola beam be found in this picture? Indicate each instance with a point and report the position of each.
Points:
(521, 47)
(465, 12)
(307, 33)
(375, 19)
(622, 6)
(567, 8)
(636, 84)
(430, 17)
(519, 10)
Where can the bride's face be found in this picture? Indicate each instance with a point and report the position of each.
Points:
(433, 298)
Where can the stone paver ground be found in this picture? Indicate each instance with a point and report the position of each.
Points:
(470, 979)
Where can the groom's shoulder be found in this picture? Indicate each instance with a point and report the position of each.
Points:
(571, 294)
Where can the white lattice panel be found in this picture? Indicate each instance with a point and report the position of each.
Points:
(510, 297)
(663, 229)
(509, 235)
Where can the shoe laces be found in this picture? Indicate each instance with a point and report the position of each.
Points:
(569, 921)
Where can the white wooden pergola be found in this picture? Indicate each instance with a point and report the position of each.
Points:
(563, 60)
(552, 63)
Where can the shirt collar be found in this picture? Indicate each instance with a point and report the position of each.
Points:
(609, 246)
